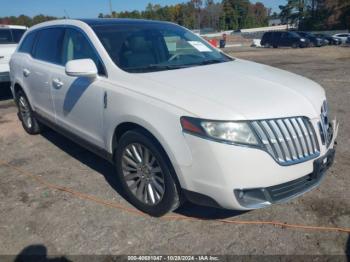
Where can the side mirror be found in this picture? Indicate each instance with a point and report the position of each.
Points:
(81, 68)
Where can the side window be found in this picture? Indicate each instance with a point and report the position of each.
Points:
(17, 34)
(48, 46)
(277, 35)
(27, 44)
(5, 36)
(76, 46)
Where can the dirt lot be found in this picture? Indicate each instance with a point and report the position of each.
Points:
(32, 213)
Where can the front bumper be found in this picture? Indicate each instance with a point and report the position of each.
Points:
(221, 172)
(261, 197)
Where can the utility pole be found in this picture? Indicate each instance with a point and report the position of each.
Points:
(110, 8)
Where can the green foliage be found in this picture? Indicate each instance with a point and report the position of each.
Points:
(229, 14)
(26, 20)
(317, 14)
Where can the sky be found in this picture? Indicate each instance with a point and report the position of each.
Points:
(88, 8)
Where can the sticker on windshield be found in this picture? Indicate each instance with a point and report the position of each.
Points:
(200, 46)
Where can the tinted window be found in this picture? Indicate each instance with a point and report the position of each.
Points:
(277, 35)
(17, 34)
(27, 44)
(5, 36)
(49, 45)
(76, 46)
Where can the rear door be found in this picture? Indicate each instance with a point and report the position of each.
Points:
(46, 57)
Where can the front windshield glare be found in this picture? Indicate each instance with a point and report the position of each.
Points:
(150, 46)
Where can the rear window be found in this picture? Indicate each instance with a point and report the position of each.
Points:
(267, 36)
(11, 36)
(48, 46)
(17, 34)
(5, 36)
(27, 44)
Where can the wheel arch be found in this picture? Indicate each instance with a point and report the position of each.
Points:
(151, 132)
(16, 88)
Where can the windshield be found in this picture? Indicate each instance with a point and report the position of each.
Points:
(148, 47)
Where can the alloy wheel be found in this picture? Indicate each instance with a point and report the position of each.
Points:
(25, 112)
(143, 174)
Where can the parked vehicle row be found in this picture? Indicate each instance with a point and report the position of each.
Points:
(9, 38)
(301, 39)
(145, 95)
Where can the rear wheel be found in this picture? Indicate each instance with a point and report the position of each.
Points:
(25, 114)
(146, 174)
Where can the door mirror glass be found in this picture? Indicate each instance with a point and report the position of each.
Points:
(81, 68)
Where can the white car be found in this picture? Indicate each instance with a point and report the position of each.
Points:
(10, 35)
(178, 118)
(343, 37)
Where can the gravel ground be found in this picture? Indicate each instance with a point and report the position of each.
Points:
(34, 214)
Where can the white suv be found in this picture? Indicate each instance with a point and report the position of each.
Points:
(177, 117)
(10, 35)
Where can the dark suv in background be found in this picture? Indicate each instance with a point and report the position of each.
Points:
(284, 39)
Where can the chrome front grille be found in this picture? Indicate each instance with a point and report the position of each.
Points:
(288, 140)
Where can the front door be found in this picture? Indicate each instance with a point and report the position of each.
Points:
(78, 101)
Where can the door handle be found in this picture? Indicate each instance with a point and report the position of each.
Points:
(26, 72)
(57, 83)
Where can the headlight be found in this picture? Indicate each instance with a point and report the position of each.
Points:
(231, 132)
(302, 40)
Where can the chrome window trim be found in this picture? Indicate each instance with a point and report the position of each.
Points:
(37, 30)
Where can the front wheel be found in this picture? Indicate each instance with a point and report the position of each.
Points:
(145, 174)
(25, 114)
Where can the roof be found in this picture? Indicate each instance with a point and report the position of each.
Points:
(113, 21)
(13, 26)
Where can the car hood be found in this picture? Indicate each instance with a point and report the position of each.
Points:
(240, 90)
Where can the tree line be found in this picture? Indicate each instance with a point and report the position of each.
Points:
(193, 14)
(229, 14)
(317, 14)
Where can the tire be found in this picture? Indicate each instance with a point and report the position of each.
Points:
(137, 179)
(275, 46)
(25, 114)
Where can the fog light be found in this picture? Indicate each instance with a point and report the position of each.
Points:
(252, 198)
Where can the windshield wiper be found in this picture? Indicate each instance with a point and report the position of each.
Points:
(211, 61)
(162, 67)
(150, 68)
